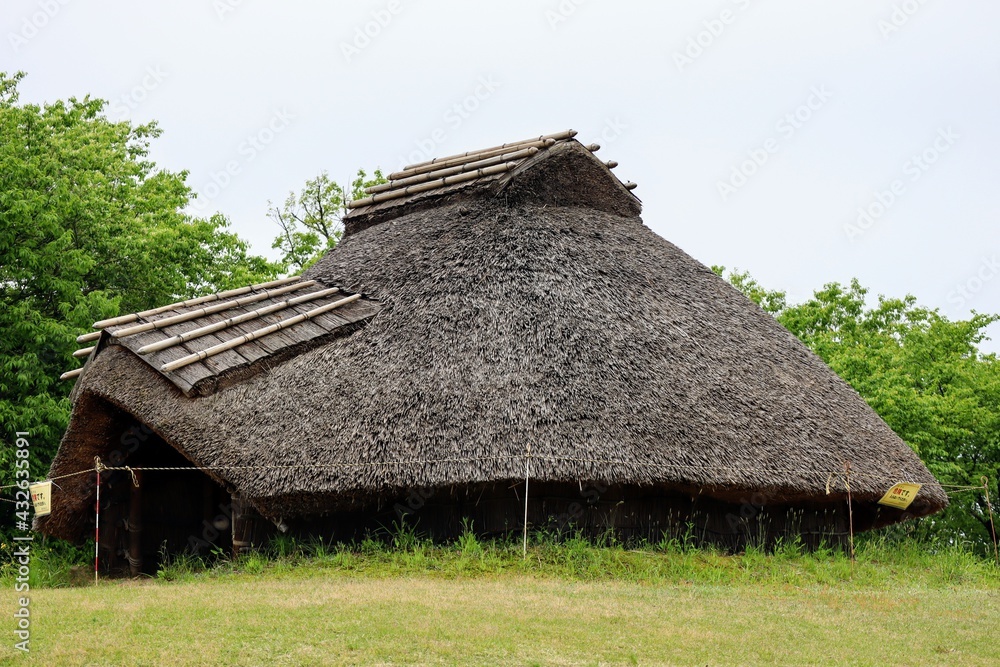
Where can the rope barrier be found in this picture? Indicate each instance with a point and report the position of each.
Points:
(969, 490)
(50, 479)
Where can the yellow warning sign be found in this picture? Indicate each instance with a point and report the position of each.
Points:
(41, 496)
(901, 495)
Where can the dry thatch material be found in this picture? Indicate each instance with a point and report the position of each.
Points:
(534, 309)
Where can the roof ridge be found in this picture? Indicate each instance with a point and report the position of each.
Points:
(462, 168)
(565, 134)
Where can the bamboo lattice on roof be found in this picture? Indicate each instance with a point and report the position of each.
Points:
(446, 174)
(220, 324)
(432, 185)
(201, 312)
(458, 169)
(558, 136)
(254, 335)
(125, 319)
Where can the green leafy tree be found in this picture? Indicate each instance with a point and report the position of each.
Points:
(311, 221)
(921, 372)
(89, 229)
(770, 301)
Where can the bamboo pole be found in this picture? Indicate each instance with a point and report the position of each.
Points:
(593, 148)
(125, 319)
(482, 155)
(135, 525)
(527, 472)
(631, 186)
(565, 134)
(97, 521)
(225, 324)
(208, 310)
(84, 352)
(433, 185)
(88, 337)
(254, 335)
(241, 525)
(69, 375)
(850, 507)
(989, 508)
(610, 164)
(468, 166)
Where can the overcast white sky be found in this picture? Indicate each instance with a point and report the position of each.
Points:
(843, 103)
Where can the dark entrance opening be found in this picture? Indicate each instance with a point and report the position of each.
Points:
(169, 513)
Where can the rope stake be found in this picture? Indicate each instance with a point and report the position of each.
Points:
(850, 507)
(527, 472)
(989, 508)
(98, 466)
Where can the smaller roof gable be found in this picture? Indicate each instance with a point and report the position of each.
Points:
(497, 165)
(205, 343)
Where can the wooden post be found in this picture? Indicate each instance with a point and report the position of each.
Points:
(208, 510)
(135, 525)
(850, 508)
(241, 527)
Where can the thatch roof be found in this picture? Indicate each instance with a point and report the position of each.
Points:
(533, 309)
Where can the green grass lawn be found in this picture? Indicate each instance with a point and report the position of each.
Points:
(564, 605)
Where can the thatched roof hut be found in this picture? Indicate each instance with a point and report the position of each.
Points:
(504, 312)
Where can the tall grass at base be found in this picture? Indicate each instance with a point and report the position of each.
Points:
(179, 567)
(53, 563)
(883, 560)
